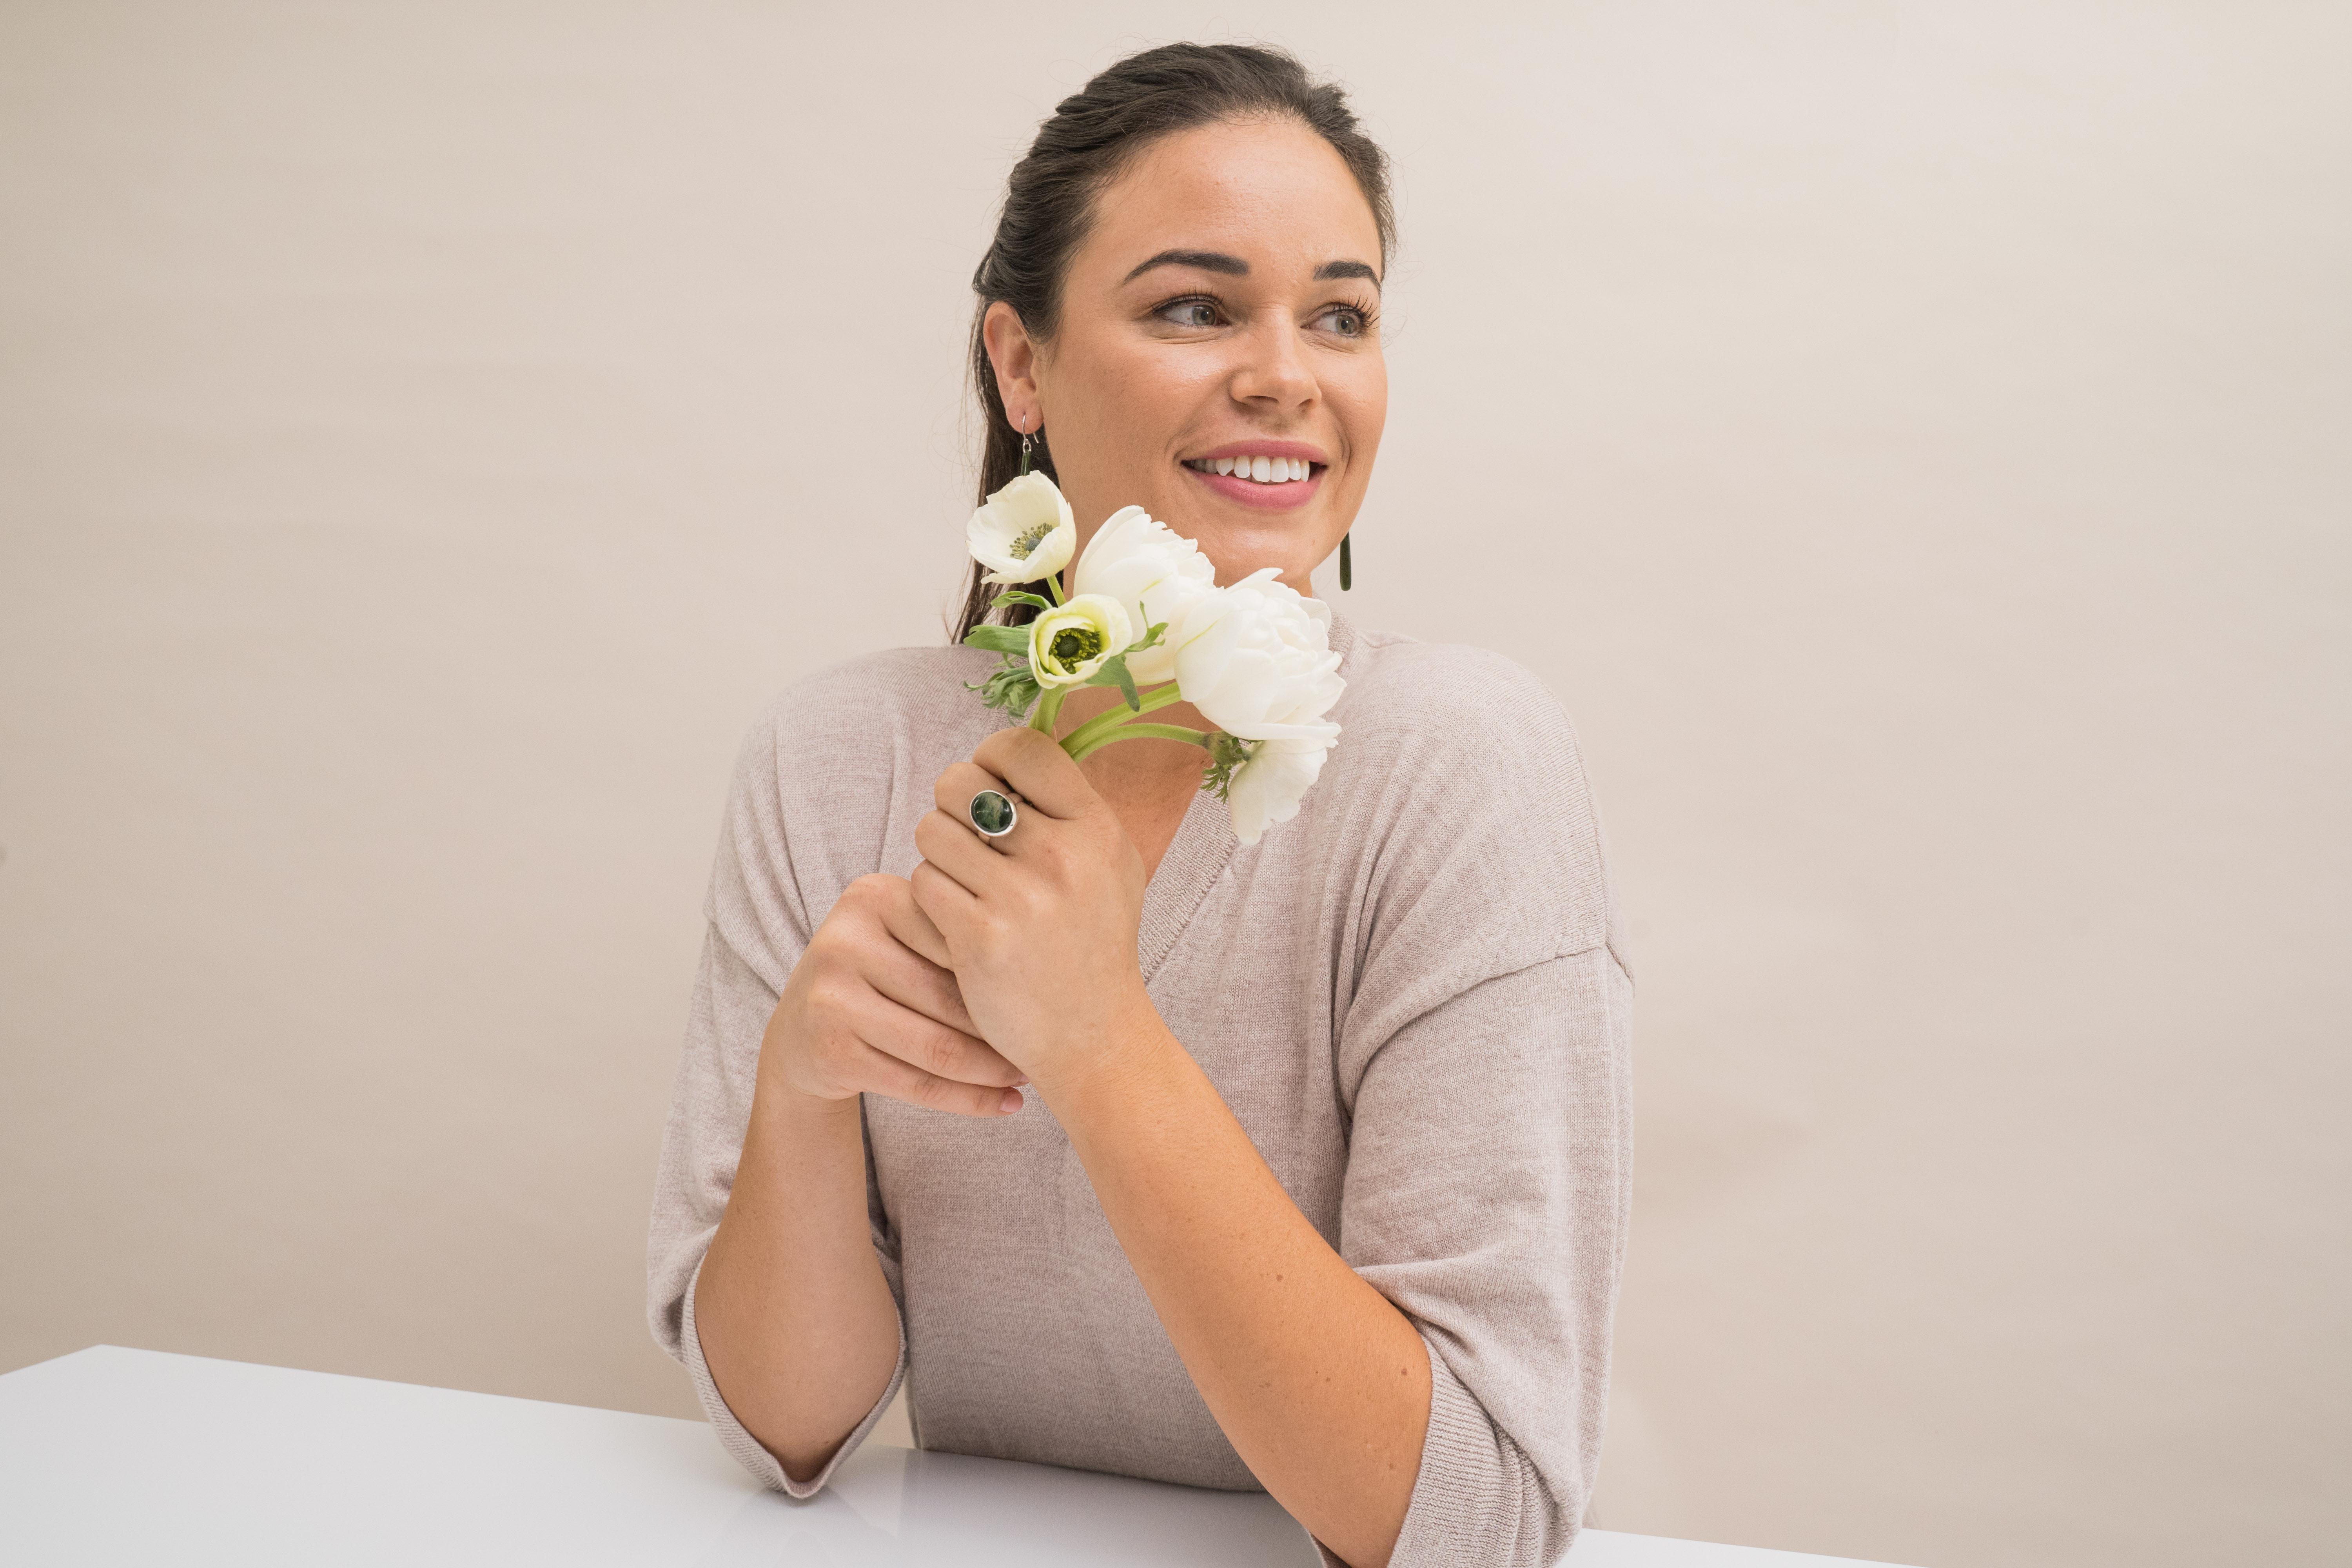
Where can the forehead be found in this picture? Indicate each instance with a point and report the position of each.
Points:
(1267, 191)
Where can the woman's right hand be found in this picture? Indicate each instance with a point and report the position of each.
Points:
(872, 1007)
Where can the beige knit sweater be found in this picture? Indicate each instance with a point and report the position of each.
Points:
(1413, 995)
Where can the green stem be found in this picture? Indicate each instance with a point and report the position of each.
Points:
(1049, 709)
(1052, 580)
(1120, 713)
(1141, 732)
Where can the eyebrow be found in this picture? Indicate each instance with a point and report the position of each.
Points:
(1234, 266)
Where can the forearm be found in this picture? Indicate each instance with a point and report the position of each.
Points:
(796, 1320)
(1319, 1383)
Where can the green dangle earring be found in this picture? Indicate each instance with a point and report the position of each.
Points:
(1347, 564)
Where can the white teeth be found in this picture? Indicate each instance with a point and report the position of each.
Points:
(1264, 470)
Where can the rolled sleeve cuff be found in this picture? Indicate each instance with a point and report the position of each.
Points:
(748, 1450)
(1477, 1500)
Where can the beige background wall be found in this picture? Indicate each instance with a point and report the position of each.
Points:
(1912, 439)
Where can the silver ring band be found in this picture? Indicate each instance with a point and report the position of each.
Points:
(992, 813)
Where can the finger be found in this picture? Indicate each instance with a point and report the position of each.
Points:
(953, 847)
(910, 979)
(945, 901)
(1039, 771)
(953, 792)
(928, 1045)
(902, 1080)
(904, 919)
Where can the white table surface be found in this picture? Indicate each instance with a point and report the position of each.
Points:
(117, 1457)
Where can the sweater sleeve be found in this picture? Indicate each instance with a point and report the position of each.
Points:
(1486, 1065)
(758, 924)
(1487, 1195)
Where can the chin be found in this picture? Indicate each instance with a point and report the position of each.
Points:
(1240, 552)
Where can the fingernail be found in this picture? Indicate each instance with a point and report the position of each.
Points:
(1011, 1100)
(1022, 1079)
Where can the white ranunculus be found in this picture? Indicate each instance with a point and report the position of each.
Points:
(1255, 659)
(1070, 641)
(1267, 787)
(1155, 572)
(1023, 532)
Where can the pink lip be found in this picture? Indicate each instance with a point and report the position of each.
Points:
(1249, 492)
(1265, 498)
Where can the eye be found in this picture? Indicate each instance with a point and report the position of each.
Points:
(1196, 312)
(1347, 321)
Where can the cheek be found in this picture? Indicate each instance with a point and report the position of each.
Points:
(1154, 391)
(1125, 403)
(1358, 398)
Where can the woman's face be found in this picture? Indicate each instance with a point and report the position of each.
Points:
(1225, 306)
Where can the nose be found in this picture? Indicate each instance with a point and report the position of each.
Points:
(1274, 372)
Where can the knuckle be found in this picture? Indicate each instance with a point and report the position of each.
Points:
(939, 1053)
(997, 934)
(829, 996)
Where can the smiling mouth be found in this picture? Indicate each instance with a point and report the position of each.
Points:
(1257, 470)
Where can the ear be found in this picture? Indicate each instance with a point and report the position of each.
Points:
(1015, 359)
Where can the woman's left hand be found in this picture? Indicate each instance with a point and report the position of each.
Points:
(1042, 923)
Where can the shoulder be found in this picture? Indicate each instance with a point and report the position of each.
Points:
(1458, 787)
(828, 774)
(832, 748)
(1448, 705)
(847, 704)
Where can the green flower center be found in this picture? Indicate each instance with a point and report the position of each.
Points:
(1073, 646)
(1030, 541)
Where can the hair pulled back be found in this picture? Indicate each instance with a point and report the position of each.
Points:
(1091, 138)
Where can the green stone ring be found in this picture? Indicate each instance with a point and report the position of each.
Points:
(992, 813)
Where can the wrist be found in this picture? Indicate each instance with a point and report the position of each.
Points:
(778, 1100)
(1109, 1068)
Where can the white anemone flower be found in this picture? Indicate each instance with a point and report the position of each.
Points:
(1273, 776)
(1069, 642)
(1023, 532)
(1155, 572)
(1255, 659)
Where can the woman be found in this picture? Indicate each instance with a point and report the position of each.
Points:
(1302, 1165)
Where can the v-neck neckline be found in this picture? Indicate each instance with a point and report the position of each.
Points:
(1196, 858)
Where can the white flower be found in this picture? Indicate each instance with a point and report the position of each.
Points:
(1025, 531)
(1069, 642)
(1255, 659)
(1155, 572)
(1266, 785)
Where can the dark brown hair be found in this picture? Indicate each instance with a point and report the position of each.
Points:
(1092, 137)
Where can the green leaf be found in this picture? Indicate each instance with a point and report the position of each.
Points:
(1011, 688)
(1113, 673)
(999, 639)
(1226, 754)
(1020, 596)
(1149, 639)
